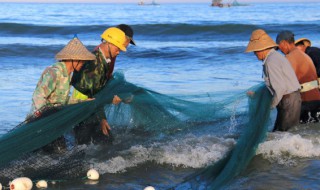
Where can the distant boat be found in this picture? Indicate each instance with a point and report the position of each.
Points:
(219, 3)
(152, 3)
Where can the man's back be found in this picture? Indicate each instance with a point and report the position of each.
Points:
(305, 71)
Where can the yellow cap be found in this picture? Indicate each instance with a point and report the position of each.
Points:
(115, 36)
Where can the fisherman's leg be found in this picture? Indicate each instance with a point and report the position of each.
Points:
(100, 138)
(83, 132)
(293, 110)
(304, 115)
(314, 107)
(310, 109)
(101, 126)
(279, 119)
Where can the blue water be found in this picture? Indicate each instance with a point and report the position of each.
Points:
(182, 49)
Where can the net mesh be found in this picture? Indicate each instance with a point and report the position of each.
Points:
(142, 110)
(219, 174)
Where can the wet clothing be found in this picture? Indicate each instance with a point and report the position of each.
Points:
(92, 77)
(53, 87)
(288, 112)
(283, 84)
(314, 54)
(306, 72)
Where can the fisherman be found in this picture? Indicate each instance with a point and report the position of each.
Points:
(279, 78)
(54, 84)
(304, 45)
(306, 74)
(93, 77)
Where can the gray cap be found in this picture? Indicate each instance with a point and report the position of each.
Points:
(284, 35)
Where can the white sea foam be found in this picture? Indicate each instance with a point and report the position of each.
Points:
(192, 151)
(284, 147)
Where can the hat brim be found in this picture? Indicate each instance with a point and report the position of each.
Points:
(132, 41)
(305, 41)
(259, 47)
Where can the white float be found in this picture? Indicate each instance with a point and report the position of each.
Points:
(0, 186)
(149, 188)
(93, 174)
(42, 184)
(21, 183)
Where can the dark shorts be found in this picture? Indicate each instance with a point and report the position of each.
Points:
(309, 111)
(89, 131)
(289, 110)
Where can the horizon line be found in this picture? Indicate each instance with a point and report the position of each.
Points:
(97, 2)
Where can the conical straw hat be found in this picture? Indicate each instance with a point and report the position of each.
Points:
(75, 50)
(260, 40)
(305, 41)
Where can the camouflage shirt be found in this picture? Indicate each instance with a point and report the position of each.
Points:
(53, 87)
(93, 75)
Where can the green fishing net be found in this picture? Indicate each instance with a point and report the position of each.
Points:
(219, 174)
(142, 110)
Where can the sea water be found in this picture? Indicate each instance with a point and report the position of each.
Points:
(182, 49)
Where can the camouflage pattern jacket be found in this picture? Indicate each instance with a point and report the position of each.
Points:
(93, 75)
(53, 87)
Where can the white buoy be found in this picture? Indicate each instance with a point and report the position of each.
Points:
(93, 174)
(42, 184)
(149, 188)
(21, 183)
(0, 186)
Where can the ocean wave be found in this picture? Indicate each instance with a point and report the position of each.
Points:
(45, 47)
(191, 29)
(35, 30)
(192, 151)
(206, 29)
(285, 147)
(18, 50)
(148, 44)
